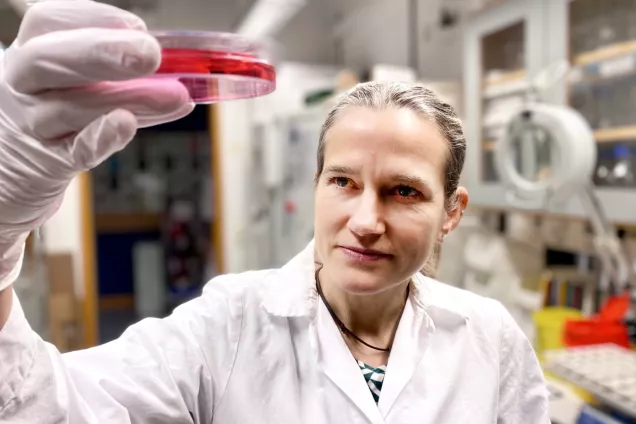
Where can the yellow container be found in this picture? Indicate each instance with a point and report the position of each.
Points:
(550, 325)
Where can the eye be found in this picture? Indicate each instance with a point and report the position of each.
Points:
(341, 182)
(406, 191)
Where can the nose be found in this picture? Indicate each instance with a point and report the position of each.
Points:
(366, 219)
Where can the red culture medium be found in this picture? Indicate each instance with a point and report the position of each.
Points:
(188, 61)
(212, 75)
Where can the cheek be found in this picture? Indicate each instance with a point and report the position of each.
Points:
(417, 229)
(418, 219)
(329, 208)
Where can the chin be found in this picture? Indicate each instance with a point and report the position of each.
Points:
(361, 282)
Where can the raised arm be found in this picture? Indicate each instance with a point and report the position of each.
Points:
(70, 96)
(72, 93)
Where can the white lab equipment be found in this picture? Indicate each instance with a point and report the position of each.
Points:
(302, 133)
(281, 189)
(547, 151)
(262, 347)
(547, 155)
(491, 271)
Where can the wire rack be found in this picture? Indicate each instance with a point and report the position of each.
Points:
(607, 371)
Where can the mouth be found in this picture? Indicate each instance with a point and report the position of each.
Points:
(364, 255)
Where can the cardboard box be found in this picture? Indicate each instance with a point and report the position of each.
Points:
(63, 308)
(60, 270)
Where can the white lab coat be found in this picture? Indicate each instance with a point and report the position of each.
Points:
(260, 347)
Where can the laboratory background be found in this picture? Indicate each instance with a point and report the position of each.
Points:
(546, 90)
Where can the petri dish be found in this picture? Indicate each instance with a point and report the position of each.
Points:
(216, 66)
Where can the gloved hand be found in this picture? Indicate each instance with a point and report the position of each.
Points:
(72, 93)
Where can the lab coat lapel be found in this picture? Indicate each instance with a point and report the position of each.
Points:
(409, 346)
(339, 365)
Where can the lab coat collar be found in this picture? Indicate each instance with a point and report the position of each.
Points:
(291, 292)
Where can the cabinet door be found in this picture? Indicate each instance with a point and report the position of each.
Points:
(503, 50)
(601, 47)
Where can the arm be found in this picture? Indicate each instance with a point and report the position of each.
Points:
(523, 394)
(157, 372)
(64, 111)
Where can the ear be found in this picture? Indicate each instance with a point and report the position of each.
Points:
(454, 216)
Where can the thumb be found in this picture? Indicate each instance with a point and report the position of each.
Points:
(102, 138)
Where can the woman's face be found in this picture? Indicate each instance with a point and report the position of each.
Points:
(380, 198)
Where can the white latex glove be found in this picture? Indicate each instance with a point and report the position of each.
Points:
(71, 96)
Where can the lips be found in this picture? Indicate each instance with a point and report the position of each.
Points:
(364, 255)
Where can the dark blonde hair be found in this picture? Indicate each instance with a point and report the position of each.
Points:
(421, 100)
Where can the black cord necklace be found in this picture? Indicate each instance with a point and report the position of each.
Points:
(343, 328)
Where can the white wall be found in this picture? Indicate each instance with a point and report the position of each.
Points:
(374, 32)
(309, 37)
(210, 15)
(63, 233)
(294, 80)
(377, 32)
(235, 137)
(207, 15)
(440, 51)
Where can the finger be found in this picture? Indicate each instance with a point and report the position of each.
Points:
(59, 15)
(81, 57)
(102, 138)
(152, 101)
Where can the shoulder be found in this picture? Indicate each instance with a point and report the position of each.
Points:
(470, 305)
(223, 298)
(489, 322)
(237, 285)
(486, 319)
(283, 292)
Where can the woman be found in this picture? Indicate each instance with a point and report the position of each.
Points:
(347, 332)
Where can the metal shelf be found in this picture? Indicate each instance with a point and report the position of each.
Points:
(604, 53)
(545, 42)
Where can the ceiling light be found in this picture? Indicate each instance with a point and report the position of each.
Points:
(267, 17)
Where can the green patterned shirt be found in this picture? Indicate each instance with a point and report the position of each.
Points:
(374, 378)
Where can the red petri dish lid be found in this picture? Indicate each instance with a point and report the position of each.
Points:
(216, 66)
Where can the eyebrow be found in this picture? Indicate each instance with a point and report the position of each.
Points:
(400, 178)
(409, 180)
(335, 169)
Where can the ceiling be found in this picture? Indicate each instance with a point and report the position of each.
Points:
(308, 37)
(331, 32)
(216, 15)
